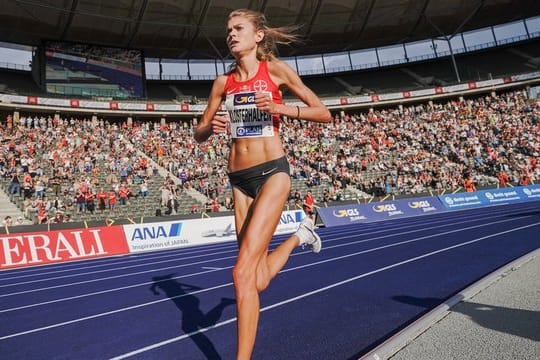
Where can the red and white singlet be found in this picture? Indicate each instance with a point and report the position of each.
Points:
(246, 120)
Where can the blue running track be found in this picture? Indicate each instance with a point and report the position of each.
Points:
(369, 282)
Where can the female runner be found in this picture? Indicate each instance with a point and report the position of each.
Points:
(258, 168)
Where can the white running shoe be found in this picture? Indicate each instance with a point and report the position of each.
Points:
(307, 235)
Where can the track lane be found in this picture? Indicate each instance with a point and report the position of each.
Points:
(378, 245)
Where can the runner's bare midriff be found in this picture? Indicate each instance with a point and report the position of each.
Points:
(246, 153)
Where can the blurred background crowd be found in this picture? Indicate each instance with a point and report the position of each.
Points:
(64, 169)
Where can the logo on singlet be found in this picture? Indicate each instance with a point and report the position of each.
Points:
(260, 85)
(249, 130)
(244, 99)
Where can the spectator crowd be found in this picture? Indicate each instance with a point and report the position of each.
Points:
(59, 166)
(405, 150)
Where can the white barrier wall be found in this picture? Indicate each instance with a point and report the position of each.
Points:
(182, 233)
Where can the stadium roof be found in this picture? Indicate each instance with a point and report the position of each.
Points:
(195, 28)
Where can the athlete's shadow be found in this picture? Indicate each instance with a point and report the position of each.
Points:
(193, 319)
(518, 322)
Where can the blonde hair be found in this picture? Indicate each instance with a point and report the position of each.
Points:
(267, 48)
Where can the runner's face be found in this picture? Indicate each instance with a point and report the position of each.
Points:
(241, 35)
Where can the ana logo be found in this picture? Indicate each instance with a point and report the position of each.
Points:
(383, 208)
(156, 232)
(288, 218)
(244, 99)
(419, 204)
(449, 201)
(527, 192)
(346, 212)
(489, 195)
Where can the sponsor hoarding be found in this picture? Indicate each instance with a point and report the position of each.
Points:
(462, 200)
(182, 233)
(353, 213)
(45, 247)
(529, 193)
(491, 197)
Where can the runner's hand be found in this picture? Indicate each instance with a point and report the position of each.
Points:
(220, 124)
(263, 101)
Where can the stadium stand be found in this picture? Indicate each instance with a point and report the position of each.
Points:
(479, 65)
(159, 90)
(19, 82)
(475, 66)
(419, 149)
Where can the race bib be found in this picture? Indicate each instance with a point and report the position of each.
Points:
(246, 120)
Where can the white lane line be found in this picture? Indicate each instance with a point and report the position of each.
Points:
(110, 262)
(115, 277)
(102, 262)
(263, 309)
(349, 235)
(210, 260)
(115, 269)
(106, 313)
(234, 246)
(317, 291)
(101, 292)
(284, 270)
